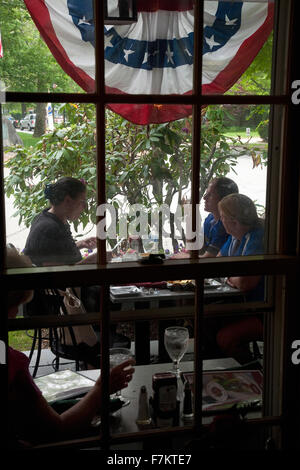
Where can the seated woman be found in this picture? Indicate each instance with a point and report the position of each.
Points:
(239, 217)
(31, 419)
(50, 241)
(246, 230)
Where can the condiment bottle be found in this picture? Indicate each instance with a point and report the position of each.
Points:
(187, 413)
(143, 417)
(165, 404)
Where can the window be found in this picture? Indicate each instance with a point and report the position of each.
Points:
(279, 181)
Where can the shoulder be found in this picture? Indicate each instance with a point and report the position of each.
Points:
(253, 243)
(17, 362)
(225, 248)
(47, 225)
(19, 376)
(209, 219)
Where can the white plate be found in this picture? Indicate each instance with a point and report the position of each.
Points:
(125, 291)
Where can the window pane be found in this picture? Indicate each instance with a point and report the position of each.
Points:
(153, 55)
(57, 57)
(148, 169)
(237, 47)
(233, 159)
(64, 149)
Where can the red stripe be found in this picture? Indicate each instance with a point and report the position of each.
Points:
(40, 15)
(244, 57)
(149, 113)
(170, 5)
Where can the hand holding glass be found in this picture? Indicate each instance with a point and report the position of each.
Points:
(176, 344)
(118, 356)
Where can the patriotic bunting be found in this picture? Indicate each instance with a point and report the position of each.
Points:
(155, 55)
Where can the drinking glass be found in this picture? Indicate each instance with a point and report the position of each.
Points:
(176, 344)
(118, 356)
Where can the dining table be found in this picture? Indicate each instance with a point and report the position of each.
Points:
(123, 421)
(144, 298)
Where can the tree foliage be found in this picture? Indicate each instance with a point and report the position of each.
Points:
(27, 64)
(149, 165)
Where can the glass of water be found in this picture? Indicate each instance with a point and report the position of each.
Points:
(118, 356)
(176, 344)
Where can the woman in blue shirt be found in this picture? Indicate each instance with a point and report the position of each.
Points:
(246, 232)
(239, 217)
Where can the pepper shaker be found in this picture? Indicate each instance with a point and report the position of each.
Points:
(187, 413)
(143, 417)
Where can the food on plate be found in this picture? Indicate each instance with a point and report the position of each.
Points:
(181, 285)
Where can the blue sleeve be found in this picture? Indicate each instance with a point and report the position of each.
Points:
(218, 236)
(214, 235)
(255, 244)
(225, 248)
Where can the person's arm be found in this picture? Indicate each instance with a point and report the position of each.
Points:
(244, 283)
(50, 426)
(89, 243)
(208, 254)
(92, 258)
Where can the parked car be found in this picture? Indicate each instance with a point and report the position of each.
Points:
(28, 122)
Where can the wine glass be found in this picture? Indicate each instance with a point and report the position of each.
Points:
(118, 356)
(176, 344)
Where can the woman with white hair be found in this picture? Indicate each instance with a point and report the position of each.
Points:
(239, 217)
(31, 419)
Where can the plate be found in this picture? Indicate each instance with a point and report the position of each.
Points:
(125, 291)
(211, 283)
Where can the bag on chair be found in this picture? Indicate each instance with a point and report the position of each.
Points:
(82, 333)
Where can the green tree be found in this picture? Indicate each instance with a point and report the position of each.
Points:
(146, 165)
(27, 64)
(257, 80)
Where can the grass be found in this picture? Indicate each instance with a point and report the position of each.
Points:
(28, 139)
(235, 131)
(20, 340)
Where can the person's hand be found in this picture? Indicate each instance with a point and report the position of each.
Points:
(89, 243)
(180, 255)
(121, 375)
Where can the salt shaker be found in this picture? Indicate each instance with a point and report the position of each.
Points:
(143, 417)
(187, 413)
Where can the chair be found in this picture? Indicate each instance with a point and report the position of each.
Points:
(65, 342)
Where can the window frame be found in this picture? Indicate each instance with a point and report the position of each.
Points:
(280, 374)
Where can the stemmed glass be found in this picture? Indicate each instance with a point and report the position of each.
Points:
(176, 344)
(118, 356)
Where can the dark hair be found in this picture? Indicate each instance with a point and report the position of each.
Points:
(225, 186)
(56, 192)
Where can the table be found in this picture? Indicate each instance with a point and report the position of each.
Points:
(123, 420)
(167, 295)
(158, 299)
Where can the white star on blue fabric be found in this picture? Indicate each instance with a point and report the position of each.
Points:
(211, 42)
(127, 52)
(169, 54)
(107, 41)
(229, 22)
(84, 21)
(146, 56)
